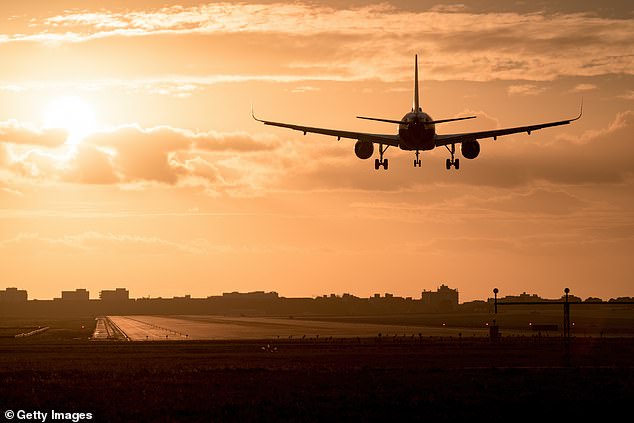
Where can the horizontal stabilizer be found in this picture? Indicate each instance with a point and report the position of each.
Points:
(398, 122)
(404, 122)
(451, 120)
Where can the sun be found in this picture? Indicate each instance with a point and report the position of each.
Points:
(73, 114)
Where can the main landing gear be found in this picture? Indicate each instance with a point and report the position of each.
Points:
(417, 162)
(381, 161)
(452, 162)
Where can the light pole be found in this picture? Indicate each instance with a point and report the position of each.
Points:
(566, 315)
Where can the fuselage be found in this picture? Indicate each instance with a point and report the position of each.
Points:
(417, 133)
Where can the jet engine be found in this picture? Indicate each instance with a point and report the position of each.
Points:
(364, 149)
(470, 149)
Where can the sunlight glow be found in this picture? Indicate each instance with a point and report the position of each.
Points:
(72, 114)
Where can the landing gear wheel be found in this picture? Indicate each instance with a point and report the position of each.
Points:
(452, 162)
(380, 161)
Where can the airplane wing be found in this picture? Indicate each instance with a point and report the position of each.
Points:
(472, 136)
(384, 139)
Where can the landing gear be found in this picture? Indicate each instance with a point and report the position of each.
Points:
(381, 161)
(378, 163)
(417, 162)
(452, 162)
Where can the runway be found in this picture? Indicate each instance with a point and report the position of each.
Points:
(178, 328)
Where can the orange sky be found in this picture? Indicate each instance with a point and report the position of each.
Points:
(128, 156)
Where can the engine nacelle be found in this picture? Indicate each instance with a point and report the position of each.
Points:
(364, 149)
(470, 149)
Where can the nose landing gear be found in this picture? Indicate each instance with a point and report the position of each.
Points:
(417, 162)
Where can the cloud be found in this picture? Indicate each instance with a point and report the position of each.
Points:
(629, 95)
(13, 132)
(132, 154)
(233, 163)
(524, 89)
(589, 159)
(541, 201)
(97, 241)
(483, 121)
(584, 87)
(234, 141)
(90, 165)
(304, 89)
(164, 154)
(14, 88)
(448, 8)
(352, 42)
(11, 191)
(142, 154)
(543, 244)
(460, 206)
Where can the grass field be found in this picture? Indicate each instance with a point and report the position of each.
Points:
(352, 379)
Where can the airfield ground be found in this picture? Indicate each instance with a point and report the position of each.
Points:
(442, 378)
(179, 328)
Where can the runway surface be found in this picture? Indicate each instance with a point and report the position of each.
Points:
(175, 328)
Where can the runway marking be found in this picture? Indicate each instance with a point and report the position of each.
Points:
(106, 330)
(177, 328)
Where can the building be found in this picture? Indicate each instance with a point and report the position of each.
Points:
(254, 296)
(119, 294)
(80, 294)
(13, 295)
(444, 299)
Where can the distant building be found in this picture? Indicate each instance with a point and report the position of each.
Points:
(523, 297)
(186, 297)
(571, 298)
(119, 294)
(256, 295)
(13, 295)
(443, 299)
(80, 294)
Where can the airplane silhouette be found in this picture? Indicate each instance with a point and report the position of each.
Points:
(417, 132)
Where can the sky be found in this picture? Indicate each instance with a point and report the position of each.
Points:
(129, 158)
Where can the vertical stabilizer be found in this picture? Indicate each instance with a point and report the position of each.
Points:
(416, 105)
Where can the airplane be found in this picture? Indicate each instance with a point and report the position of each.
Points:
(417, 132)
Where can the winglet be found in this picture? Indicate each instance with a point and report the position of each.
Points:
(580, 112)
(581, 108)
(253, 114)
